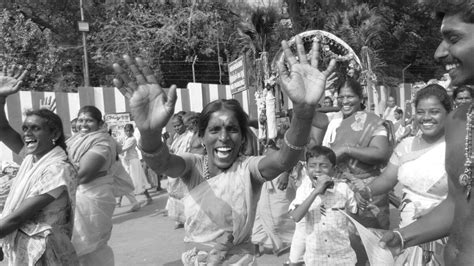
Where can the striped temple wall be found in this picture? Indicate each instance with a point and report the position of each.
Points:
(110, 100)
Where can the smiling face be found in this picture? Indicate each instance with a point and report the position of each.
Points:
(319, 165)
(37, 136)
(86, 123)
(349, 101)
(430, 116)
(456, 50)
(223, 140)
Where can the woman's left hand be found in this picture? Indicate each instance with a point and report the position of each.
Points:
(304, 83)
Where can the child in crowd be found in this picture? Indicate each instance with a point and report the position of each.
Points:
(298, 242)
(320, 200)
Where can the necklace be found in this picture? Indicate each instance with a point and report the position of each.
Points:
(465, 179)
(205, 171)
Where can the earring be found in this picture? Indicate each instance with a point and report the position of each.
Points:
(54, 142)
(202, 144)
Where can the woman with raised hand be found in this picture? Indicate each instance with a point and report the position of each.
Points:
(223, 185)
(93, 151)
(37, 221)
(361, 141)
(418, 165)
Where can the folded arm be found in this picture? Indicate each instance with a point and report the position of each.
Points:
(27, 210)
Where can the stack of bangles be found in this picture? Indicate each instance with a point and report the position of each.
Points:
(402, 240)
(291, 146)
(161, 155)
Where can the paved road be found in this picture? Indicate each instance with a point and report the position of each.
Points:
(147, 237)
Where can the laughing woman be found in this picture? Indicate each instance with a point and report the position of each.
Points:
(93, 151)
(37, 221)
(224, 185)
(418, 164)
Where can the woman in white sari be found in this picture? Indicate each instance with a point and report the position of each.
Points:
(37, 220)
(418, 164)
(93, 152)
(224, 185)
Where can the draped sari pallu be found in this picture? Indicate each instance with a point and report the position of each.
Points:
(46, 238)
(425, 185)
(358, 130)
(273, 226)
(220, 213)
(95, 200)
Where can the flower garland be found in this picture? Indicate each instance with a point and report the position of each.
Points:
(205, 165)
(465, 179)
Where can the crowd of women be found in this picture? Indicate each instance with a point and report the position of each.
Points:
(59, 209)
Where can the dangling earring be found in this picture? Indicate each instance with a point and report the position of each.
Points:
(54, 142)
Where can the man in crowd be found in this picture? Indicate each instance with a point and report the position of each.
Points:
(389, 113)
(455, 215)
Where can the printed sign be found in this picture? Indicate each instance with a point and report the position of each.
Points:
(116, 122)
(237, 75)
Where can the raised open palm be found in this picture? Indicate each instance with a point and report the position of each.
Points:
(10, 79)
(151, 105)
(303, 82)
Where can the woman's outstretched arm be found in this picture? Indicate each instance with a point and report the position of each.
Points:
(304, 84)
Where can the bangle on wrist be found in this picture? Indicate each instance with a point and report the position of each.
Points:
(291, 146)
(158, 153)
(402, 240)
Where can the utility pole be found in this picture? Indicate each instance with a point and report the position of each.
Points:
(84, 28)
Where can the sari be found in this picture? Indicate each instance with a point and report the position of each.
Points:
(133, 165)
(358, 130)
(220, 212)
(424, 183)
(176, 189)
(273, 227)
(95, 201)
(46, 238)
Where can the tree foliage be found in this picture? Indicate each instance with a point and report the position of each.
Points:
(173, 36)
(397, 32)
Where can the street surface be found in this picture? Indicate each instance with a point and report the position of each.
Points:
(147, 237)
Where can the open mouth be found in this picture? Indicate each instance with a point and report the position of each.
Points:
(346, 107)
(223, 152)
(30, 143)
(428, 125)
(450, 67)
